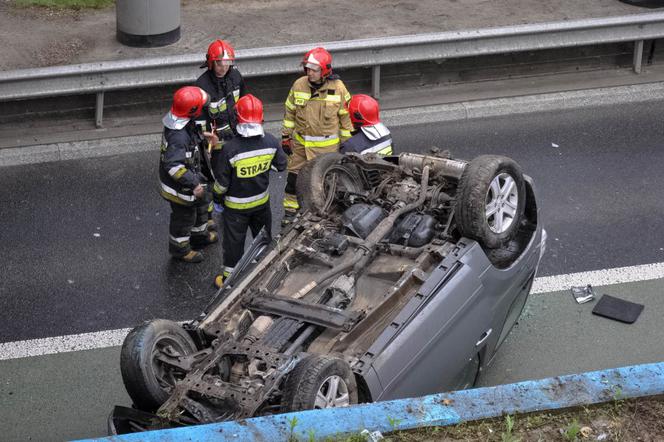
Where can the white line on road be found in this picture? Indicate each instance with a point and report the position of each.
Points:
(114, 338)
(618, 275)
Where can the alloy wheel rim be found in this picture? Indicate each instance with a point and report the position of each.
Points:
(502, 200)
(332, 393)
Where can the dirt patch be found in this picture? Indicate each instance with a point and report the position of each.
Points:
(262, 23)
(625, 421)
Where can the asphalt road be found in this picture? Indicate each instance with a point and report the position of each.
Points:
(85, 250)
(85, 241)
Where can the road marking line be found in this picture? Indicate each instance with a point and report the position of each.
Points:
(62, 344)
(618, 275)
(114, 338)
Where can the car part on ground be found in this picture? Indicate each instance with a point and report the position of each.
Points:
(401, 277)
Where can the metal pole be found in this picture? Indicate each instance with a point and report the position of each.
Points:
(638, 55)
(375, 81)
(99, 110)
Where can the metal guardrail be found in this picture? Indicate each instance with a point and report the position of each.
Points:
(106, 76)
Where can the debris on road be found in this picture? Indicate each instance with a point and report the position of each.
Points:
(618, 309)
(583, 294)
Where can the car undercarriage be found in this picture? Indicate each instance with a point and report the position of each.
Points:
(306, 316)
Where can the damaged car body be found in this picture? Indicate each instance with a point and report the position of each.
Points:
(401, 278)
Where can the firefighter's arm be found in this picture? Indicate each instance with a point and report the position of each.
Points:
(345, 125)
(174, 157)
(280, 161)
(289, 116)
(243, 87)
(222, 172)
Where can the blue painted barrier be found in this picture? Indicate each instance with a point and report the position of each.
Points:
(438, 409)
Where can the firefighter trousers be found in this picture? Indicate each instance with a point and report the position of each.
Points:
(188, 225)
(235, 225)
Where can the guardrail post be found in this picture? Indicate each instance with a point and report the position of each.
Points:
(99, 110)
(638, 55)
(375, 82)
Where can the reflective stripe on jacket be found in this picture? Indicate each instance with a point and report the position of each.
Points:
(242, 170)
(317, 117)
(180, 164)
(224, 93)
(370, 139)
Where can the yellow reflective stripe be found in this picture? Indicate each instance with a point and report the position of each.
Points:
(250, 167)
(218, 189)
(343, 111)
(344, 133)
(347, 96)
(301, 98)
(179, 173)
(289, 105)
(386, 151)
(316, 143)
(291, 203)
(246, 205)
(289, 124)
(333, 98)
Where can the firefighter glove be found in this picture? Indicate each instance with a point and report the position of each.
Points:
(218, 208)
(286, 145)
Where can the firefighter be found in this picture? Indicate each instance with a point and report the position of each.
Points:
(316, 119)
(225, 85)
(242, 172)
(182, 182)
(371, 135)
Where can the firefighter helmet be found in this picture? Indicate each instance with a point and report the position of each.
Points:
(219, 50)
(363, 110)
(318, 58)
(189, 101)
(249, 110)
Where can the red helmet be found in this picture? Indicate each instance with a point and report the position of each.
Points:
(318, 57)
(219, 50)
(363, 110)
(249, 109)
(189, 101)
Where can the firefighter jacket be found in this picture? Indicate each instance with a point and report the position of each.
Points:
(369, 139)
(224, 93)
(317, 117)
(180, 164)
(242, 171)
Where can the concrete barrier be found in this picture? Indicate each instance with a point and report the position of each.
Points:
(434, 410)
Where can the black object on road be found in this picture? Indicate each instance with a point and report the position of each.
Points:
(618, 309)
(645, 3)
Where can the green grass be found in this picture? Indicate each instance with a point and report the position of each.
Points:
(65, 4)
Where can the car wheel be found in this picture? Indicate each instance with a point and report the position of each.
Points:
(320, 382)
(490, 200)
(320, 179)
(144, 361)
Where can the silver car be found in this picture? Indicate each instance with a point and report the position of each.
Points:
(401, 277)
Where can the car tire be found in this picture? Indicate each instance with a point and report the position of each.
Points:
(490, 200)
(320, 382)
(148, 380)
(313, 181)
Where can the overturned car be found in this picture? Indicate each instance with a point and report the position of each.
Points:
(402, 278)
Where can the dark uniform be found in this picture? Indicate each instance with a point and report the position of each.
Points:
(224, 93)
(242, 171)
(179, 174)
(369, 139)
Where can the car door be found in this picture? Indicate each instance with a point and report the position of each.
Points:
(441, 336)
